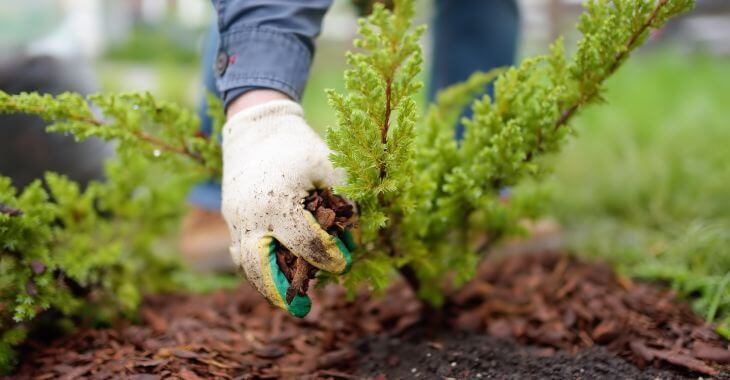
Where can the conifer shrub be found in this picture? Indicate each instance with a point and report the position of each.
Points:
(429, 205)
(89, 254)
(425, 199)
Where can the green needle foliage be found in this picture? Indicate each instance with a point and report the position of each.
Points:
(424, 198)
(90, 254)
(160, 131)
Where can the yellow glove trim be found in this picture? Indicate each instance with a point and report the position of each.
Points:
(268, 280)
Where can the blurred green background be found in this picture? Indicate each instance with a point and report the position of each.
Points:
(646, 182)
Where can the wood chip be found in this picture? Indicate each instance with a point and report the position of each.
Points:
(325, 217)
(329, 210)
(716, 354)
(606, 331)
(144, 376)
(232, 332)
(335, 358)
(158, 324)
(185, 354)
(686, 361)
(187, 374)
(269, 352)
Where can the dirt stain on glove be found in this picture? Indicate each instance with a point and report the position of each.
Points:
(334, 215)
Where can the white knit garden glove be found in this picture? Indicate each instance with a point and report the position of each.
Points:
(271, 160)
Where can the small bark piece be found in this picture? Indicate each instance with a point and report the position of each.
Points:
(641, 350)
(12, 211)
(300, 280)
(333, 214)
(285, 260)
(685, 361)
(335, 358)
(715, 354)
(325, 217)
(156, 322)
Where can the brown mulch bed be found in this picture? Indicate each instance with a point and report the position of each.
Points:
(563, 303)
(552, 305)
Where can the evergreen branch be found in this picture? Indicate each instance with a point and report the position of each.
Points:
(72, 108)
(10, 105)
(162, 145)
(619, 57)
(398, 51)
(567, 114)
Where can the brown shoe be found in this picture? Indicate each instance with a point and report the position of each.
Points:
(204, 241)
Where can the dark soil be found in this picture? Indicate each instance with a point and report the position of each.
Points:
(478, 356)
(532, 316)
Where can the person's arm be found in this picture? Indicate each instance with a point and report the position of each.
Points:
(271, 157)
(253, 97)
(265, 44)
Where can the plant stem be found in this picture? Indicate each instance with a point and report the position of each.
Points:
(384, 235)
(409, 274)
(388, 110)
(183, 149)
(12, 211)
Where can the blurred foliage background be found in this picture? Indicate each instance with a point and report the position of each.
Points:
(646, 184)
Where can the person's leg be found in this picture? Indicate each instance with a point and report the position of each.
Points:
(208, 194)
(204, 235)
(471, 35)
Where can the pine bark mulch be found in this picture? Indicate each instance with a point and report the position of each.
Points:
(561, 303)
(552, 304)
(334, 215)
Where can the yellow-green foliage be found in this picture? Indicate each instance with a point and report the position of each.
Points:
(423, 197)
(93, 252)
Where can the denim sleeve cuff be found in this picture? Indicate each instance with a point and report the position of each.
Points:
(252, 57)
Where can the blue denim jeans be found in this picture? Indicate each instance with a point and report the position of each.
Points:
(471, 35)
(207, 194)
(468, 35)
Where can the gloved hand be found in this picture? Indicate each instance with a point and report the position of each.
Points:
(271, 160)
